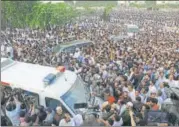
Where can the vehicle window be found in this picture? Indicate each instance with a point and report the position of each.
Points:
(31, 97)
(53, 103)
(69, 49)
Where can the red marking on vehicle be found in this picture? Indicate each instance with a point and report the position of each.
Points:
(5, 83)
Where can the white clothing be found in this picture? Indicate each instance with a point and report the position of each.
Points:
(132, 95)
(76, 55)
(78, 120)
(64, 123)
(118, 123)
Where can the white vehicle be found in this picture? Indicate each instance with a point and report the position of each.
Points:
(66, 90)
(132, 29)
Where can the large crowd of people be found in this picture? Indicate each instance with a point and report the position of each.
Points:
(130, 75)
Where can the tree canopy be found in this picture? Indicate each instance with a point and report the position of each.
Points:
(35, 14)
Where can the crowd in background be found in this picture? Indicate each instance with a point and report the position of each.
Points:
(130, 75)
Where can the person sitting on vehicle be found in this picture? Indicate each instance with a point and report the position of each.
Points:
(12, 110)
(58, 116)
(67, 121)
(50, 115)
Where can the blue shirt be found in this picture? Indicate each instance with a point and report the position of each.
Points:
(50, 116)
(14, 115)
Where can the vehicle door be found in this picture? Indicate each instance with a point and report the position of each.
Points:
(54, 103)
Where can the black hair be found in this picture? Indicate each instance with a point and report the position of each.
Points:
(148, 99)
(11, 99)
(98, 83)
(165, 84)
(27, 119)
(124, 77)
(10, 107)
(122, 102)
(108, 108)
(147, 107)
(159, 93)
(117, 117)
(139, 115)
(41, 108)
(42, 116)
(46, 124)
(23, 106)
(154, 100)
(146, 89)
(22, 114)
(138, 98)
(173, 96)
(34, 117)
(110, 121)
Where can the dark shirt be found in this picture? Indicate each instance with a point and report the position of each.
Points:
(126, 118)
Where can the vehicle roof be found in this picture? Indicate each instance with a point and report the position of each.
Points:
(58, 47)
(30, 76)
(132, 26)
(3, 59)
(119, 37)
(75, 42)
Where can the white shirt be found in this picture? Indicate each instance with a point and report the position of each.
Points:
(77, 54)
(9, 49)
(118, 123)
(2, 48)
(131, 94)
(78, 120)
(173, 83)
(152, 89)
(64, 123)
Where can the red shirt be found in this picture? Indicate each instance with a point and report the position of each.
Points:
(155, 107)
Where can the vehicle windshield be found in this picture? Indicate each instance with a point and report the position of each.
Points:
(6, 62)
(77, 94)
(57, 48)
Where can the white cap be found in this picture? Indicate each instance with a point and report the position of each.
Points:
(130, 104)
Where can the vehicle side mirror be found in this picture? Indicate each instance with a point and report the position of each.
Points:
(80, 105)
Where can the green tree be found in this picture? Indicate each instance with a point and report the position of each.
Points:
(106, 12)
(35, 14)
